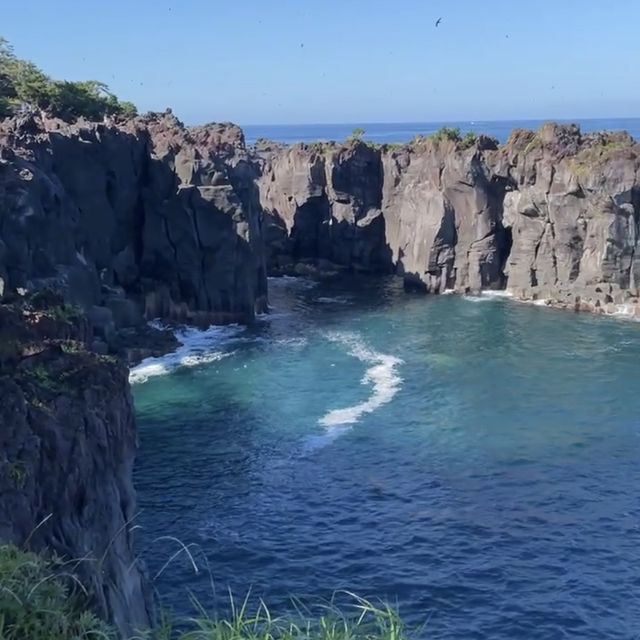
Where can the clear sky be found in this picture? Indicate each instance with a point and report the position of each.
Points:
(299, 61)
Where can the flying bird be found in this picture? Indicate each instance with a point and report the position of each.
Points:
(438, 21)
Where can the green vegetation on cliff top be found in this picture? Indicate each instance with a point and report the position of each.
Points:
(41, 599)
(23, 84)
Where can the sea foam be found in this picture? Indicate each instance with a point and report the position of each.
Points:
(197, 347)
(381, 375)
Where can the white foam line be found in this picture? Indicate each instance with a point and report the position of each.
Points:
(196, 348)
(488, 295)
(381, 375)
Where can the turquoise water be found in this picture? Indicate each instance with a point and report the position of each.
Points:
(475, 461)
(390, 132)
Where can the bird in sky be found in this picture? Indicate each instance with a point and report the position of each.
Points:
(438, 21)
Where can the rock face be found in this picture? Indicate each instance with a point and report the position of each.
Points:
(133, 221)
(550, 215)
(324, 203)
(106, 226)
(150, 219)
(67, 447)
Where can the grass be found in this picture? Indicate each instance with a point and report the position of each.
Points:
(360, 619)
(40, 600)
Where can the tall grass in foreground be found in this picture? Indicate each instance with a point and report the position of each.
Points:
(40, 600)
(359, 620)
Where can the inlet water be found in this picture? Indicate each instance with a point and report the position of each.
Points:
(475, 462)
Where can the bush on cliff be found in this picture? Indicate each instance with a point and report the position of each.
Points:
(22, 84)
(40, 601)
(447, 133)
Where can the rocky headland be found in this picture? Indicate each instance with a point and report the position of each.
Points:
(551, 215)
(105, 226)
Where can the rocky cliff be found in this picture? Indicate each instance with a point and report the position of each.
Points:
(103, 227)
(132, 221)
(550, 215)
(67, 447)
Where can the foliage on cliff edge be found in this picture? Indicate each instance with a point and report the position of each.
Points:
(40, 600)
(23, 84)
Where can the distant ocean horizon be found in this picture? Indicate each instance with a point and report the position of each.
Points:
(405, 131)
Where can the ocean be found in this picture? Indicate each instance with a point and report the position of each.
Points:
(405, 132)
(473, 461)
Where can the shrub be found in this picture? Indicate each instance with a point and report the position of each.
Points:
(469, 140)
(447, 133)
(37, 601)
(23, 83)
(357, 134)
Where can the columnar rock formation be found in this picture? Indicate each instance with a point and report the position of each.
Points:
(102, 227)
(143, 219)
(552, 214)
(150, 219)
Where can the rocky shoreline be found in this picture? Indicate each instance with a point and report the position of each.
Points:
(105, 226)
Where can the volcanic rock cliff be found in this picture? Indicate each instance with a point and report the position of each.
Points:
(105, 226)
(139, 220)
(551, 215)
(67, 447)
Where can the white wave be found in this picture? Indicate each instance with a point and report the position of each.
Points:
(197, 347)
(488, 295)
(292, 342)
(478, 298)
(626, 310)
(381, 375)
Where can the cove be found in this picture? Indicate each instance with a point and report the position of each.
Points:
(473, 460)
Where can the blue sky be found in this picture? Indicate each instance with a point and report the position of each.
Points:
(298, 61)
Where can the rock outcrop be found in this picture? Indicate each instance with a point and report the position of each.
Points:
(67, 447)
(103, 227)
(132, 221)
(323, 203)
(550, 215)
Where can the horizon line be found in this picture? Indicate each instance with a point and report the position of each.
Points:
(408, 122)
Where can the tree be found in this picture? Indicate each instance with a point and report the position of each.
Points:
(357, 134)
(30, 85)
(23, 83)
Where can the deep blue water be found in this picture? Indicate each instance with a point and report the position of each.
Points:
(475, 461)
(406, 131)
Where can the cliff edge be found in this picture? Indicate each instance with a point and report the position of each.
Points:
(551, 215)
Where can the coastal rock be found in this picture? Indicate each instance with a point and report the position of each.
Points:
(550, 215)
(67, 443)
(169, 216)
(322, 203)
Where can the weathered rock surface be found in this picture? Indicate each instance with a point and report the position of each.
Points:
(550, 215)
(324, 204)
(134, 221)
(67, 446)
